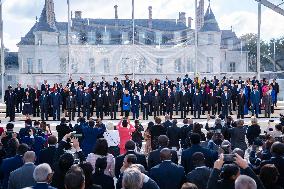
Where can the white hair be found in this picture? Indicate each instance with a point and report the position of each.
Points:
(245, 182)
(132, 179)
(41, 172)
(29, 156)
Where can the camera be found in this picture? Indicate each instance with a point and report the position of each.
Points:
(76, 135)
(229, 157)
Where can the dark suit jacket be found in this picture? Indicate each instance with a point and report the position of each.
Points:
(141, 159)
(168, 175)
(8, 165)
(210, 157)
(173, 133)
(154, 158)
(47, 155)
(22, 177)
(279, 164)
(105, 181)
(41, 186)
(199, 176)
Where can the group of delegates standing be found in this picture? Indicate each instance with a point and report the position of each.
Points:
(152, 98)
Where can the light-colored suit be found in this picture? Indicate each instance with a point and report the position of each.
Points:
(22, 177)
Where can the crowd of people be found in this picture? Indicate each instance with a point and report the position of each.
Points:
(228, 155)
(182, 96)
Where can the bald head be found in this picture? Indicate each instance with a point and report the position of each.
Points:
(29, 157)
(165, 154)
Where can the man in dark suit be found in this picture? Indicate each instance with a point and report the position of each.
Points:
(241, 100)
(154, 156)
(211, 102)
(82, 82)
(167, 174)
(23, 176)
(45, 86)
(44, 105)
(79, 98)
(71, 106)
(56, 101)
(201, 173)
(156, 102)
(100, 104)
(10, 164)
(135, 104)
(41, 182)
(255, 101)
(87, 102)
(183, 102)
(197, 102)
(10, 101)
(186, 156)
(130, 147)
(113, 102)
(48, 155)
(20, 92)
(226, 102)
(275, 87)
(185, 130)
(145, 101)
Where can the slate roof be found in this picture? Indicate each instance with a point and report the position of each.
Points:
(210, 22)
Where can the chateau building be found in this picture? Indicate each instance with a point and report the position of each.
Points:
(106, 47)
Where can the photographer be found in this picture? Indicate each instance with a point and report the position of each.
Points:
(137, 136)
(34, 141)
(224, 176)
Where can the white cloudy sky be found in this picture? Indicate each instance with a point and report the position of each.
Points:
(19, 15)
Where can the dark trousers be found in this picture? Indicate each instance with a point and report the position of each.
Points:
(212, 108)
(56, 112)
(169, 110)
(44, 113)
(113, 111)
(219, 107)
(197, 109)
(106, 110)
(99, 112)
(93, 108)
(86, 111)
(79, 108)
(176, 107)
(225, 110)
(241, 112)
(189, 106)
(145, 111)
(126, 113)
(71, 113)
(183, 110)
(36, 109)
(156, 110)
(135, 112)
(19, 105)
(255, 109)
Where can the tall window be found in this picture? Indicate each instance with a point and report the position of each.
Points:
(92, 65)
(160, 63)
(209, 64)
(30, 65)
(39, 66)
(210, 39)
(232, 67)
(106, 65)
(142, 65)
(63, 65)
(189, 65)
(178, 65)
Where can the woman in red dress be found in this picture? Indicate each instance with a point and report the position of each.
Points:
(125, 133)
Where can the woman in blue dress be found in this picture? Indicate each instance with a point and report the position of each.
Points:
(27, 109)
(126, 99)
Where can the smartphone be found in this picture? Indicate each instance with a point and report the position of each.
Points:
(229, 157)
(75, 135)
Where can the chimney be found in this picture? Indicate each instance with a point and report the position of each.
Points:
(150, 21)
(182, 18)
(78, 14)
(189, 22)
(115, 12)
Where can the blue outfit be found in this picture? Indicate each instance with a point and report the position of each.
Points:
(126, 102)
(90, 137)
(36, 144)
(255, 101)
